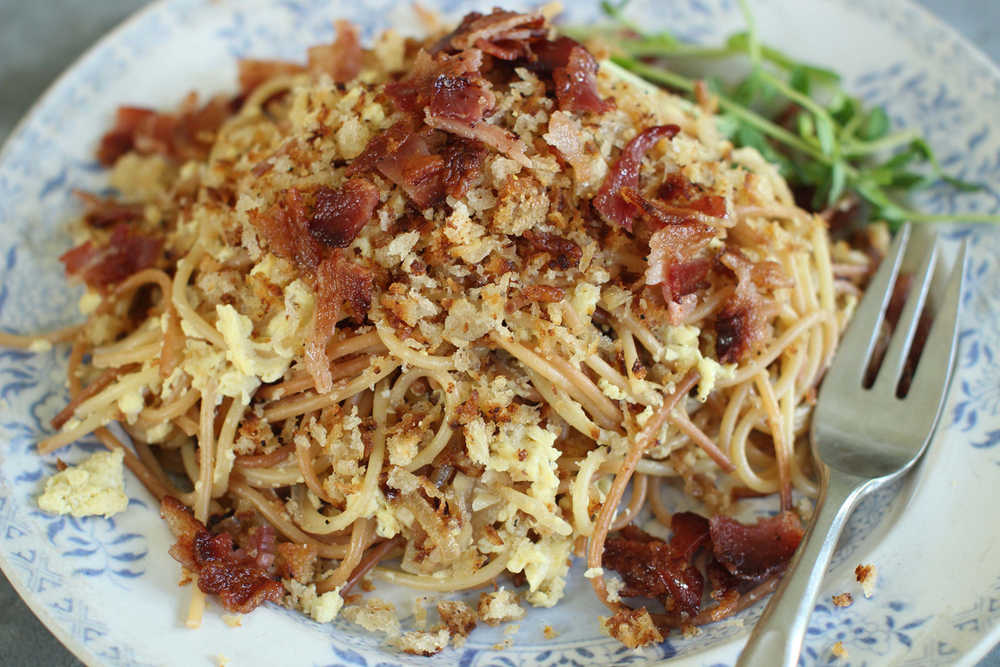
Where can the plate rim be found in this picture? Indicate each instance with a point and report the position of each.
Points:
(974, 653)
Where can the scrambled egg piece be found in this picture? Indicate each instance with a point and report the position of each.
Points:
(682, 346)
(545, 564)
(249, 357)
(499, 607)
(96, 486)
(524, 450)
(203, 361)
(247, 362)
(287, 330)
(323, 608)
(585, 299)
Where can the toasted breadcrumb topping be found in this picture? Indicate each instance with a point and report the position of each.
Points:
(633, 627)
(843, 600)
(499, 607)
(866, 576)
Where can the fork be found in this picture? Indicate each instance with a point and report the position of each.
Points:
(864, 433)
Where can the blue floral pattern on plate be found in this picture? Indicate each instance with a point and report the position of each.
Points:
(75, 573)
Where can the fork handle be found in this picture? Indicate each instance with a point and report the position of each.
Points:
(777, 638)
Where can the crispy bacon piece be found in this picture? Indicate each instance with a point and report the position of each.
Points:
(732, 334)
(564, 254)
(740, 557)
(676, 263)
(576, 84)
(343, 289)
(741, 325)
(755, 552)
(284, 227)
(660, 213)
(454, 97)
(185, 135)
(252, 72)
(463, 161)
(691, 532)
(120, 139)
(426, 164)
(125, 253)
(543, 293)
(262, 542)
(460, 98)
(678, 260)
(382, 148)
(343, 58)
(339, 279)
(625, 174)
(503, 34)
(338, 215)
(523, 38)
(652, 568)
(549, 55)
(415, 91)
(573, 70)
(491, 135)
(406, 157)
(678, 191)
(101, 212)
(237, 578)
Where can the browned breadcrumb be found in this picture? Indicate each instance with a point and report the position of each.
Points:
(297, 561)
(499, 607)
(843, 600)
(419, 612)
(549, 633)
(457, 616)
(839, 651)
(232, 620)
(632, 627)
(689, 631)
(505, 644)
(374, 615)
(866, 575)
(423, 643)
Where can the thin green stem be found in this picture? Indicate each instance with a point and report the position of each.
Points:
(643, 48)
(858, 148)
(846, 133)
(753, 45)
(802, 100)
(615, 12)
(917, 216)
(773, 130)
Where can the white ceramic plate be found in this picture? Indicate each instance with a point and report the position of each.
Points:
(108, 589)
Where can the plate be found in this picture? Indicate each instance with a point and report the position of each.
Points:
(108, 589)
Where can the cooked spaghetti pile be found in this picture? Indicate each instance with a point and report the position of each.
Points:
(431, 307)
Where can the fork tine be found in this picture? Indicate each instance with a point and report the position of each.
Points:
(902, 337)
(938, 357)
(856, 347)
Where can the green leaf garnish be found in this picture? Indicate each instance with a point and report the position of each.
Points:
(823, 140)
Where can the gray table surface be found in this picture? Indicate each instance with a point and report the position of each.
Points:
(39, 39)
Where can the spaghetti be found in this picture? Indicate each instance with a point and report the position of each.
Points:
(444, 303)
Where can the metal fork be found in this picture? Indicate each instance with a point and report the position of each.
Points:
(864, 436)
